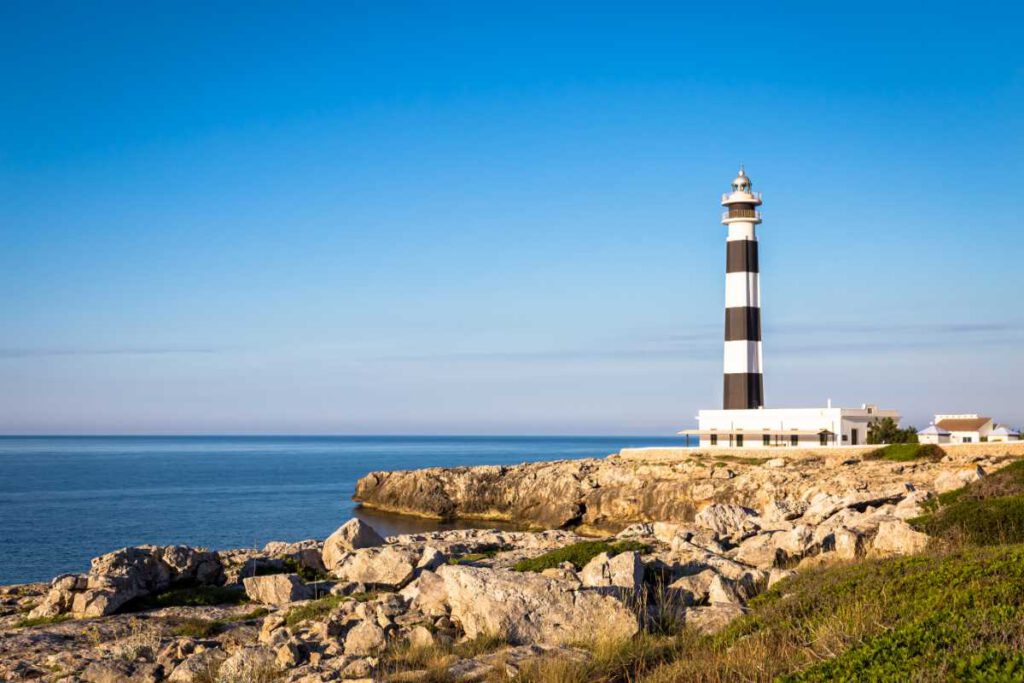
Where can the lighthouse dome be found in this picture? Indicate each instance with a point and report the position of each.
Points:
(741, 182)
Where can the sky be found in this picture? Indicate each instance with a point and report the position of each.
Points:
(500, 218)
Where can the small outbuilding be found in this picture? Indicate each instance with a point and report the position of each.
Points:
(933, 434)
(1004, 434)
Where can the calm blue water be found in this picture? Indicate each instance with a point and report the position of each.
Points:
(64, 500)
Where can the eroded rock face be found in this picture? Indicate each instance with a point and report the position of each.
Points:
(610, 494)
(276, 589)
(120, 576)
(386, 566)
(352, 535)
(529, 608)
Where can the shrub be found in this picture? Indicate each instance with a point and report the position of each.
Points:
(931, 617)
(194, 596)
(886, 430)
(314, 609)
(907, 452)
(197, 628)
(29, 622)
(289, 565)
(979, 522)
(578, 554)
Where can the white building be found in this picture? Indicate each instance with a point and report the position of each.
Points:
(933, 434)
(965, 428)
(799, 427)
(1004, 434)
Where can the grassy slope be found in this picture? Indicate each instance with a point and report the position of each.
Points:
(946, 615)
(955, 613)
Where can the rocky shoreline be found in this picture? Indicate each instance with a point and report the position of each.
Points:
(598, 496)
(694, 541)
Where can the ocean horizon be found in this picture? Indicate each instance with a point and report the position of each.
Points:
(65, 499)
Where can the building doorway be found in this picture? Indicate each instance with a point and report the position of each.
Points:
(853, 437)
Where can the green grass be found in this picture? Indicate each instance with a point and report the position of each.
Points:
(29, 622)
(933, 617)
(578, 554)
(204, 628)
(314, 609)
(989, 511)
(193, 596)
(292, 566)
(906, 452)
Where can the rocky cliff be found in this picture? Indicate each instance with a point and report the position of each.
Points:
(606, 495)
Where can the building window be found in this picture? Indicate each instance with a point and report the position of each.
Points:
(739, 441)
(714, 439)
(766, 440)
(967, 439)
(823, 438)
(794, 440)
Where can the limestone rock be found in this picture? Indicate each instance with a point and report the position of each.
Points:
(624, 570)
(420, 637)
(307, 553)
(954, 479)
(727, 519)
(199, 667)
(847, 544)
(713, 618)
(248, 664)
(896, 537)
(386, 566)
(427, 594)
(365, 638)
(760, 551)
(276, 589)
(352, 535)
(694, 588)
(528, 608)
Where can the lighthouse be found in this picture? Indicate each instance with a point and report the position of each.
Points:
(744, 383)
(743, 421)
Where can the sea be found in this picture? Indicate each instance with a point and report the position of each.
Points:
(64, 500)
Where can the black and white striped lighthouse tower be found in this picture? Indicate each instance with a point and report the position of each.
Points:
(744, 383)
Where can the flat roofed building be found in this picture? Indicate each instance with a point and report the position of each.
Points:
(787, 427)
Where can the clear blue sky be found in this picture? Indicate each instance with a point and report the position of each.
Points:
(500, 218)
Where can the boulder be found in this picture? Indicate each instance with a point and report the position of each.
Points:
(199, 667)
(527, 608)
(847, 544)
(387, 566)
(727, 519)
(950, 480)
(365, 638)
(713, 618)
(276, 589)
(307, 553)
(624, 570)
(896, 537)
(760, 551)
(693, 589)
(352, 535)
(249, 664)
(420, 637)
